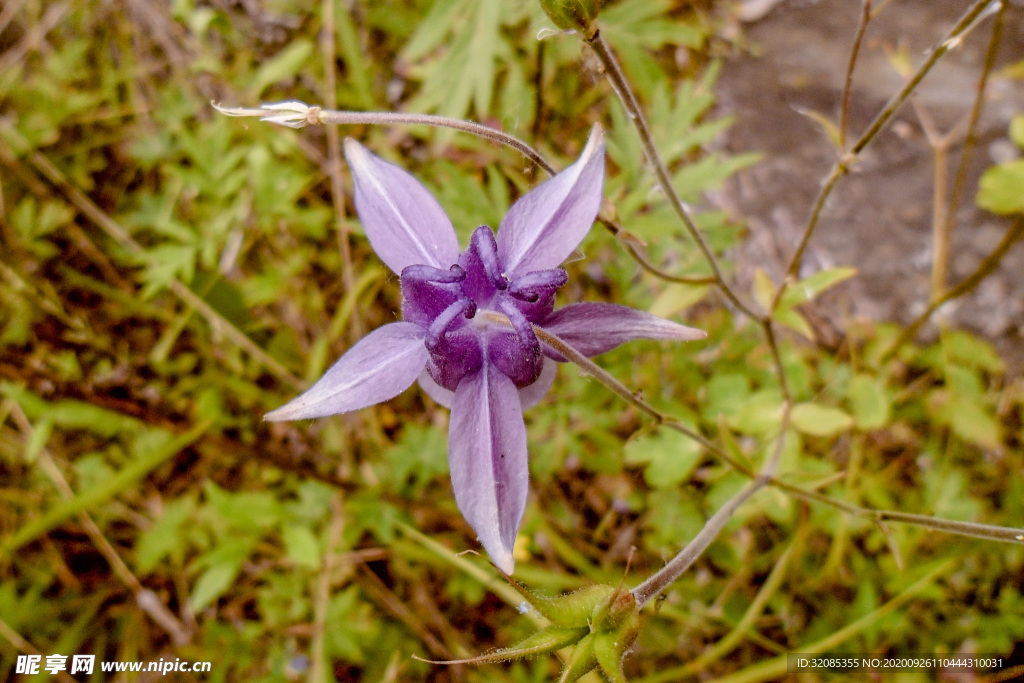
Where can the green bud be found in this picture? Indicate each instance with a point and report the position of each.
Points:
(573, 15)
(609, 613)
(601, 621)
(610, 646)
(580, 662)
(575, 610)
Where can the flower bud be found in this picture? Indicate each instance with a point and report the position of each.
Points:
(573, 15)
(610, 646)
(580, 662)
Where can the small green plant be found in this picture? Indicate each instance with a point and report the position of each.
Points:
(170, 275)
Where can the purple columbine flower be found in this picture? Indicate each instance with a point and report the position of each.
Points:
(486, 372)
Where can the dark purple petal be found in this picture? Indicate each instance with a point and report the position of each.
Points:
(487, 458)
(450, 319)
(529, 396)
(516, 354)
(593, 328)
(428, 291)
(380, 366)
(534, 293)
(454, 356)
(546, 224)
(404, 223)
(482, 242)
(479, 284)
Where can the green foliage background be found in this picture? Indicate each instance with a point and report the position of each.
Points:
(169, 275)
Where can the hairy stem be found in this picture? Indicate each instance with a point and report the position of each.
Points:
(315, 115)
(675, 568)
(759, 480)
(318, 115)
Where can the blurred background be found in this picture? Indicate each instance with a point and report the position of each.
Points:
(169, 275)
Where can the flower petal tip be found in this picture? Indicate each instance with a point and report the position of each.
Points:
(282, 414)
(595, 140)
(355, 152)
(504, 562)
(691, 334)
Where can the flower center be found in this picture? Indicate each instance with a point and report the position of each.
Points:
(446, 302)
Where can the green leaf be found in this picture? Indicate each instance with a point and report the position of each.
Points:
(165, 537)
(301, 546)
(71, 414)
(761, 413)
(810, 287)
(286, 64)
(708, 173)
(1002, 188)
(432, 29)
(869, 402)
(828, 126)
(972, 422)
(213, 583)
(252, 510)
(726, 393)
(794, 321)
(1017, 130)
(966, 349)
(670, 456)
(353, 626)
(672, 518)
(675, 298)
(819, 420)
(419, 457)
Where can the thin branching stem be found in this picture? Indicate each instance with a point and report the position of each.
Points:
(636, 114)
(620, 84)
(984, 269)
(844, 114)
(842, 165)
(632, 245)
(959, 184)
(302, 115)
(952, 39)
(765, 477)
(678, 565)
(939, 145)
(987, 532)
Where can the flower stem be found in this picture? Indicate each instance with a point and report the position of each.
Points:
(675, 568)
(629, 101)
(302, 115)
(664, 577)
